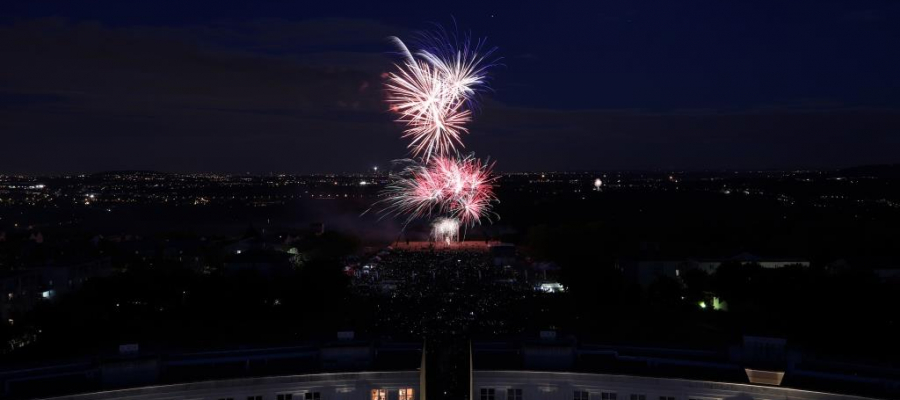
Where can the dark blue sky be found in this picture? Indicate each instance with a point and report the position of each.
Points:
(295, 86)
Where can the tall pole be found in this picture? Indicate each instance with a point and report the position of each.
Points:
(471, 374)
(422, 380)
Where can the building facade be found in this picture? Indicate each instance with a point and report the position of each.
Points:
(393, 385)
(534, 385)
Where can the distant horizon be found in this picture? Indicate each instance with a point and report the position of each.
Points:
(499, 172)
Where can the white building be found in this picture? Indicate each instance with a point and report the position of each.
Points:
(345, 369)
(396, 385)
(761, 368)
(533, 385)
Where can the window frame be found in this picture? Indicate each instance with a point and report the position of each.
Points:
(312, 395)
(379, 394)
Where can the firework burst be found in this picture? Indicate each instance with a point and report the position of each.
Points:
(434, 120)
(445, 230)
(434, 90)
(460, 188)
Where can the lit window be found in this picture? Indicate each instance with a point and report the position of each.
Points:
(379, 394)
(607, 395)
(254, 397)
(407, 394)
(314, 396)
(581, 395)
(513, 394)
(487, 394)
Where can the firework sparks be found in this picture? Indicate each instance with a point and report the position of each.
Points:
(435, 120)
(434, 93)
(461, 188)
(445, 230)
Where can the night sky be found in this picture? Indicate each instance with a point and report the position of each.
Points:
(296, 86)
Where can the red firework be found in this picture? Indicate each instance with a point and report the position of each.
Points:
(459, 188)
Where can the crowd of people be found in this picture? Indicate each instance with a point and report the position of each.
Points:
(435, 293)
